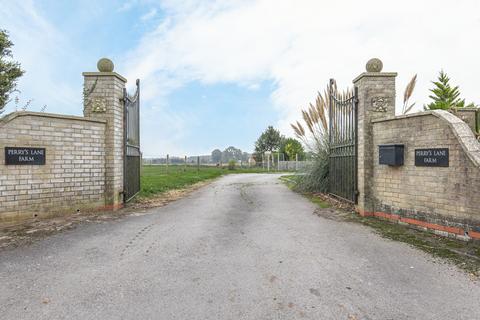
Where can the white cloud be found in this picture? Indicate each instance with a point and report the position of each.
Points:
(149, 15)
(127, 5)
(300, 45)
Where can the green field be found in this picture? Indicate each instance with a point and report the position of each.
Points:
(158, 178)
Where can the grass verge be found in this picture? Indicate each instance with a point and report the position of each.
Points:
(465, 255)
(158, 179)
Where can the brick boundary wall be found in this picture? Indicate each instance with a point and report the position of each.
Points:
(84, 155)
(73, 177)
(443, 199)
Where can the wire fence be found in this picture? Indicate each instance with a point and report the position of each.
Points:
(267, 163)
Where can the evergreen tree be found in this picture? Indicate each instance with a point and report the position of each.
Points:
(10, 70)
(269, 140)
(444, 96)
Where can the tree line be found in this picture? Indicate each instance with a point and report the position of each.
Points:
(229, 154)
(271, 140)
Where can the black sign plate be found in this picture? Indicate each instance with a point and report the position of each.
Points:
(24, 156)
(432, 157)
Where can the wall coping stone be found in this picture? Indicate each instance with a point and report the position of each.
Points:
(460, 129)
(9, 117)
(375, 74)
(467, 109)
(104, 74)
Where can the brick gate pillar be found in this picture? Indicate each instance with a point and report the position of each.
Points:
(103, 99)
(376, 94)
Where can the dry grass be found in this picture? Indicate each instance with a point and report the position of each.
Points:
(314, 126)
(313, 131)
(315, 119)
(407, 95)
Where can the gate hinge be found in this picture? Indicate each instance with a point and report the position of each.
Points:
(356, 195)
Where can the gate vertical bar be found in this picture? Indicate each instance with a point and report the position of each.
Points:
(342, 144)
(355, 139)
(125, 133)
(330, 133)
(132, 154)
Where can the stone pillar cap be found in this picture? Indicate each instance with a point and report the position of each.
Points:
(374, 65)
(104, 74)
(105, 65)
(374, 69)
(105, 68)
(375, 75)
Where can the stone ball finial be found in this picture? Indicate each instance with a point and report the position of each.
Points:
(105, 65)
(374, 65)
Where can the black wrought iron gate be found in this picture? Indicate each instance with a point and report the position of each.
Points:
(132, 154)
(343, 144)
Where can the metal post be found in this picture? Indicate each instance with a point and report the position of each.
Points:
(330, 133)
(125, 142)
(278, 161)
(198, 163)
(355, 138)
(167, 163)
(296, 162)
(185, 166)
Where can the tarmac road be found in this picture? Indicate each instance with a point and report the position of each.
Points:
(244, 247)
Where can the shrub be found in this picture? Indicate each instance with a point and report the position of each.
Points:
(316, 177)
(313, 132)
(232, 164)
(291, 147)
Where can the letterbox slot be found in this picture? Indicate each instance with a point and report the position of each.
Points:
(391, 154)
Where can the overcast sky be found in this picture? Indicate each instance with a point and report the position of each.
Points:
(216, 73)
